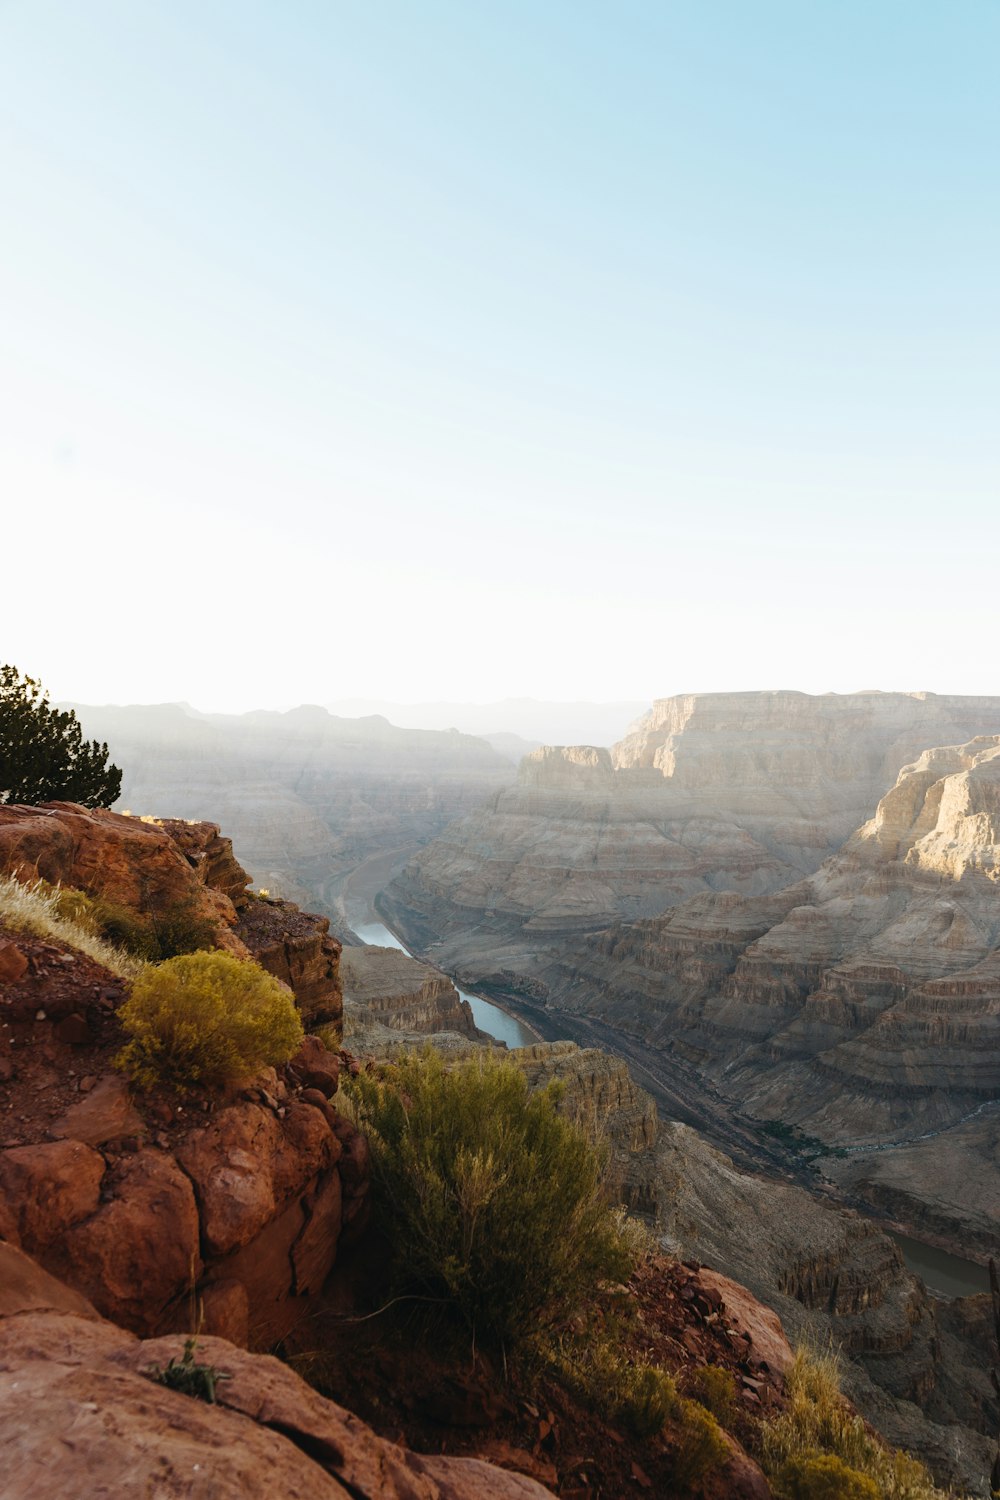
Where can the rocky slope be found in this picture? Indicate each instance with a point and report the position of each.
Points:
(739, 792)
(304, 795)
(862, 1004)
(139, 1201)
(915, 1365)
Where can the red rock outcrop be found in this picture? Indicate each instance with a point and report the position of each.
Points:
(79, 1415)
(151, 867)
(137, 1200)
(296, 947)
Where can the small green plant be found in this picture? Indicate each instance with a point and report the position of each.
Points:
(187, 1375)
(493, 1202)
(715, 1388)
(206, 1019)
(180, 929)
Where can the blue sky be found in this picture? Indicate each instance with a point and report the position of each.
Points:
(464, 350)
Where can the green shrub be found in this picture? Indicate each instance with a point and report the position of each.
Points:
(822, 1476)
(493, 1202)
(647, 1399)
(177, 930)
(598, 1365)
(715, 1388)
(181, 930)
(206, 1019)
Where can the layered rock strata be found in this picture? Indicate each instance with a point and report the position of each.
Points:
(385, 987)
(861, 1004)
(912, 1364)
(739, 792)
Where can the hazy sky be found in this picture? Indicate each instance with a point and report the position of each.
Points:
(464, 349)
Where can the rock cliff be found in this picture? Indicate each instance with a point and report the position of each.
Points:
(386, 987)
(741, 792)
(79, 1415)
(861, 1004)
(913, 1364)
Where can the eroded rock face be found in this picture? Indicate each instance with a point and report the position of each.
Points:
(862, 1004)
(599, 1095)
(151, 867)
(741, 792)
(388, 988)
(296, 947)
(912, 1364)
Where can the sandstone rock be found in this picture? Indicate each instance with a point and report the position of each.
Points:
(744, 1313)
(26, 1288)
(126, 860)
(269, 1435)
(317, 1066)
(391, 989)
(105, 1113)
(246, 1164)
(225, 1308)
(47, 1188)
(13, 963)
(140, 1249)
(296, 947)
(743, 792)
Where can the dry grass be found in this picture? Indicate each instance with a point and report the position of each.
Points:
(34, 909)
(818, 1422)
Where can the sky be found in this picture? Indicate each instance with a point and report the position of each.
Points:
(456, 350)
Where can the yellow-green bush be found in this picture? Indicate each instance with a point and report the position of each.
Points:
(823, 1476)
(715, 1388)
(701, 1446)
(819, 1423)
(206, 1019)
(493, 1202)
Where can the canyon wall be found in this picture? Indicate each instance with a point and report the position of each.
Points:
(742, 792)
(304, 796)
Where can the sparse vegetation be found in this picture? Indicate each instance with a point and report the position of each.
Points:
(817, 1427)
(715, 1388)
(43, 755)
(40, 910)
(206, 1019)
(187, 1375)
(153, 937)
(493, 1203)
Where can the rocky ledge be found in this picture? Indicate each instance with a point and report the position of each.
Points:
(64, 1370)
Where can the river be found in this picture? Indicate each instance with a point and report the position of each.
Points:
(945, 1275)
(488, 1017)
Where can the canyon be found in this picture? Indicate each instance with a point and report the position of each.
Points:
(305, 796)
(790, 902)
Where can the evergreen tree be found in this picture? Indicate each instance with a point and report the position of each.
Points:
(43, 755)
